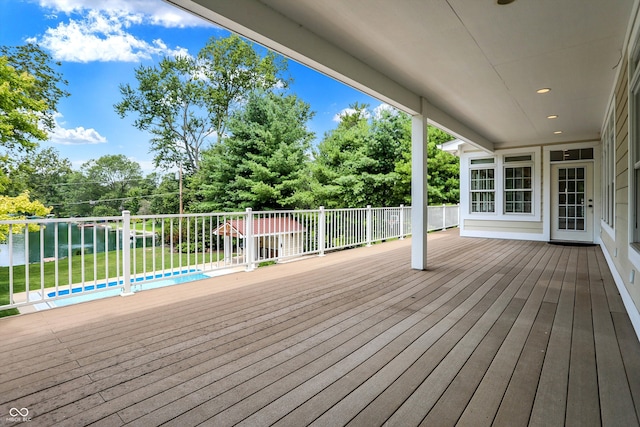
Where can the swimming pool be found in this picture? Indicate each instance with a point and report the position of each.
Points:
(113, 288)
(110, 289)
(88, 288)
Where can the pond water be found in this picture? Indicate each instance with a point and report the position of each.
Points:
(95, 238)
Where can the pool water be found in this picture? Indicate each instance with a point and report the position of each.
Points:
(119, 282)
(113, 288)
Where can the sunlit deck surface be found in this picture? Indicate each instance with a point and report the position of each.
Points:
(496, 332)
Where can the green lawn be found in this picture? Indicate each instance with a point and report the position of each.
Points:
(143, 257)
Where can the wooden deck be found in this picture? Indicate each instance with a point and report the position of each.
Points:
(505, 333)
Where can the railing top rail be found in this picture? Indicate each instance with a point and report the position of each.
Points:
(44, 221)
(288, 211)
(107, 219)
(188, 215)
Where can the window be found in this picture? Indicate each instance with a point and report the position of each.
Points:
(483, 195)
(569, 155)
(502, 187)
(518, 190)
(634, 154)
(608, 170)
(518, 184)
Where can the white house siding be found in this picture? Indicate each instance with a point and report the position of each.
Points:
(523, 230)
(616, 243)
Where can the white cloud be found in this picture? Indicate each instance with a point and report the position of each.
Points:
(154, 12)
(348, 111)
(101, 36)
(74, 136)
(377, 112)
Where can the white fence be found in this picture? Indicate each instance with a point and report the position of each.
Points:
(71, 257)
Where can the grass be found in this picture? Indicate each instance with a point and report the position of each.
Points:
(105, 268)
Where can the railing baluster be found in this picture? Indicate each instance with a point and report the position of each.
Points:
(41, 263)
(26, 261)
(249, 239)
(11, 294)
(126, 253)
(95, 254)
(56, 254)
(106, 253)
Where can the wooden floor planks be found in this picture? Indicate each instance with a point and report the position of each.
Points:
(494, 333)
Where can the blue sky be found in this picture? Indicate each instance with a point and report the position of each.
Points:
(101, 42)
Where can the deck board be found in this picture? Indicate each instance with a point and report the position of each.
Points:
(495, 332)
(549, 406)
(583, 405)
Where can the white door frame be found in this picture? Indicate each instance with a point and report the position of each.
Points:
(587, 204)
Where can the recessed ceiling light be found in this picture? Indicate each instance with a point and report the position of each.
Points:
(558, 132)
(543, 90)
(552, 116)
(505, 1)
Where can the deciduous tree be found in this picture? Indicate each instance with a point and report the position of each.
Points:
(30, 89)
(44, 174)
(185, 101)
(19, 207)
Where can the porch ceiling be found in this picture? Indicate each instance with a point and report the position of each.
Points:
(478, 64)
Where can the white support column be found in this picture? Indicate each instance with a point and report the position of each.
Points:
(419, 139)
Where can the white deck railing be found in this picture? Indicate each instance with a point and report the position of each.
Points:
(76, 256)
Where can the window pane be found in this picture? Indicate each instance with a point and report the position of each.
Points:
(586, 154)
(482, 161)
(557, 156)
(523, 158)
(482, 194)
(518, 194)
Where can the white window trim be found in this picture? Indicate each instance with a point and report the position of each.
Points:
(499, 167)
(482, 166)
(634, 135)
(609, 167)
(519, 164)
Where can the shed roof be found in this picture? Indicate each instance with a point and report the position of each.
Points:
(271, 226)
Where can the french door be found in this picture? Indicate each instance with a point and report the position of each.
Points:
(572, 202)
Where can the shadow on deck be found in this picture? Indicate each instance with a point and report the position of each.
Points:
(496, 332)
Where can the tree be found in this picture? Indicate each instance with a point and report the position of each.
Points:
(102, 187)
(185, 102)
(340, 161)
(366, 160)
(29, 95)
(113, 175)
(261, 164)
(165, 198)
(44, 174)
(354, 165)
(443, 171)
(16, 208)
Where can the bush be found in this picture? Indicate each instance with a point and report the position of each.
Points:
(191, 248)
